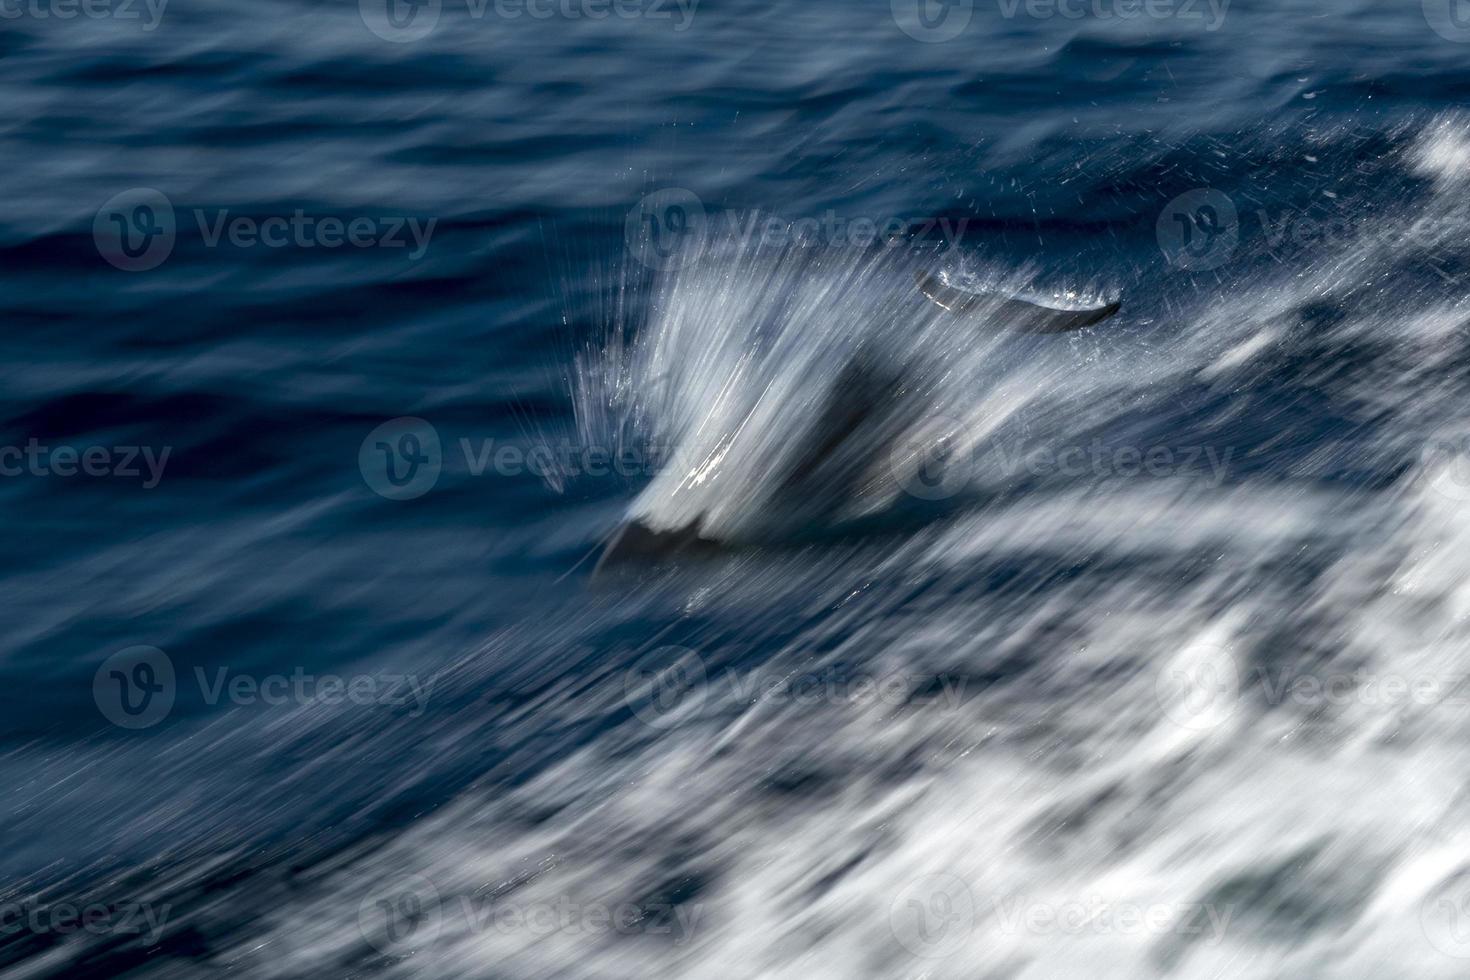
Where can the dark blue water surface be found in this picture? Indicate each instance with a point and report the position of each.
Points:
(519, 147)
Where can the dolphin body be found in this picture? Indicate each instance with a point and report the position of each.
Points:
(637, 543)
(864, 395)
(1026, 314)
(835, 456)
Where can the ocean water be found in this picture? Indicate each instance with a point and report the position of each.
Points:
(340, 338)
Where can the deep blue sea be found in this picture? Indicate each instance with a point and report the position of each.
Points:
(340, 338)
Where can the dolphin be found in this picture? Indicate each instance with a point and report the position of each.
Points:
(866, 394)
(636, 543)
(1024, 313)
(835, 455)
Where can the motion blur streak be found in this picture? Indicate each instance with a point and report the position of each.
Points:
(1137, 651)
